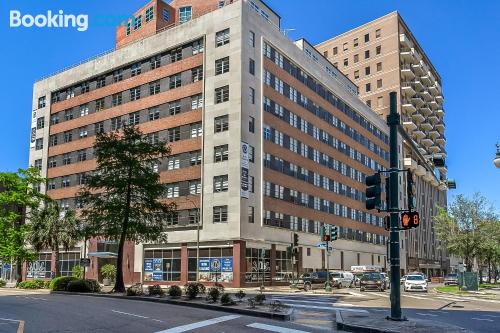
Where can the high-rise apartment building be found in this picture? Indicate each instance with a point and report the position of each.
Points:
(268, 139)
(383, 56)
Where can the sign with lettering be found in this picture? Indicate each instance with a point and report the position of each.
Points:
(244, 169)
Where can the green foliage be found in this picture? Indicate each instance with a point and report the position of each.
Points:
(193, 289)
(77, 271)
(156, 290)
(122, 198)
(108, 271)
(226, 299)
(240, 295)
(220, 287)
(61, 283)
(174, 291)
(83, 286)
(135, 290)
(31, 284)
(3, 283)
(260, 298)
(213, 294)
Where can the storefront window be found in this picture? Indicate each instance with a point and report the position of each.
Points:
(162, 265)
(258, 265)
(67, 261)
(284, 266)
(215, 264)
(40, 268)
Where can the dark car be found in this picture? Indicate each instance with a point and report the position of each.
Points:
(314, 280)
(357, 279)
(372, 280)
(451, 279)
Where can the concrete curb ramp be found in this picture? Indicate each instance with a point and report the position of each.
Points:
(285, 316)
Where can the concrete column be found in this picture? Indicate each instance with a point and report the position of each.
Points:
(184, 264)
(239, 250)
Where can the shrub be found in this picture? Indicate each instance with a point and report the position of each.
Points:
(156, 290)
(31, 284)
(108, 271)
(175, 291)
(201, 288)
(260, 298)
(78, 286)
(192, 290)
(77, 272)
(213, 294)
(276, 306)
(251, 303)
(135, 290)
(61, 283)
(46, 285)
(93, 285)
(240, 295)
(3, 283)
(226, 299)
(220, 287)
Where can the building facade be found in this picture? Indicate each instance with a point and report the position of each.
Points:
(382, 56)
(268, 139)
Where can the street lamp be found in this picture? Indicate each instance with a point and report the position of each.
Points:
(496, 161)
(197, 235)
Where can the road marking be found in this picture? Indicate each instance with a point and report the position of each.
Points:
(273, 328)
(483, 319)
(451, 298)
(492, 316)
(189, 327)
(382, 295)
(426, 314)
(300, 301)
(129, 314)
(356, 294)
(417, 297)
(330, 308)
(36, 298)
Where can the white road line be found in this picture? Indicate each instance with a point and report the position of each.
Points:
(7, 319)
(417, 297)
(300, 301)
(329, 308)
(382, 295)
(273, 328)
(129, 314)
(35, 298)
(379, 310)
(483, 319)
(189, 327)
(356, 294)
(426, 314)
(450, 298)
(492, 316)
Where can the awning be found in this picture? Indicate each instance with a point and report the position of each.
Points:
(103, 254)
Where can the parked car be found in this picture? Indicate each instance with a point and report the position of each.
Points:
(314, 280)
(451, 279)
(387, 281)
(372, 280)
(357, 279)
(341, 279)
(415, 282)
(402, 280)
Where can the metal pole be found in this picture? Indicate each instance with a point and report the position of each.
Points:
(393, 120)
(328, 287)
(84, 256)
(197, 243)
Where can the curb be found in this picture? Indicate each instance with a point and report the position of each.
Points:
(271, 315)
(341, 325)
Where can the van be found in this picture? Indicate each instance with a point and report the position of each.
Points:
(342, 279)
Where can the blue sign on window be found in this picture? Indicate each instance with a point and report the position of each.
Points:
(204, 265)
(148, 265)
(157, 276)
(157, 265)
(226, 264)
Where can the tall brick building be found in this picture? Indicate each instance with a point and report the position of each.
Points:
(268, 139)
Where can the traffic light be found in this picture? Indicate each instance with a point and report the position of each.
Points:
(387, 223)
(325, 236)
(334, 233)
(411, 189)
(295, 240)
(373, 191)
(410, 220)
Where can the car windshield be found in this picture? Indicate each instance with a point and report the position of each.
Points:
(371, 276)
(334, 275)
(415, 277)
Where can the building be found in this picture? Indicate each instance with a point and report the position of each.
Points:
(382, 56)
(268, 139)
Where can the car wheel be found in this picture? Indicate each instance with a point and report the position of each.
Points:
(307, 287)
(361, 289)
(339, 286)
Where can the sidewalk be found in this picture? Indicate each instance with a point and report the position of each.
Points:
(366, 322)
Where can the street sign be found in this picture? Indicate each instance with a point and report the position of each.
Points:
(85, 262)
(323, 246)
(215, 264)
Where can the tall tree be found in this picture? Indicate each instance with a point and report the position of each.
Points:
(489, 248)
(18, 195)
(122, 198)
(458, 227)
(53, 228)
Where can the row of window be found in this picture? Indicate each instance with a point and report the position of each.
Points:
(136, 21)
(355, 43)
(368, 71)
(321, 91)
(378, 51)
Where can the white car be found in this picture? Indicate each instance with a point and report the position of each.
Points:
(415, 282)
(342, 279)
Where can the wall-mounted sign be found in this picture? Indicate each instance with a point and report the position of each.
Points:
(148, 265)
(244, 169)
(157, 265)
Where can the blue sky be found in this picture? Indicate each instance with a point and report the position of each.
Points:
(458, 36)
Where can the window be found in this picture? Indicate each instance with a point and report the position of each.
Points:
(53, 140)
(356, 58)
(251, 124)
(137, 22)
(335, 50)
(220, 183)
(196, 130)
(39, 144)
(41, 102)
(82, 178)
(367, 54)
(116, 99)
(251, 214)
(173, 163)
(128, 28)
(68, 114)
(221, 153)
(82, 155)
(54, 119)
(379, 66)
(65, 182)
(116, 123)
(378, 50)
(252, 95)
(84, 110)
(154, 87)
(220, 214)
(251, 184)
(38, 164)
(197, 74)
(99, 105)
(356, 74)
(149, 14)
(83, 133)
(153, 138)
(325, 54)
(155, 62)
(172, 190)
(251, 154)
(118, 75)
(174, 107)
(101, 82)
(154, 114)
(251, 39)
(221, 66)
(135, 93)
(368, 87)
(369, 103)
(222, 37)
(378, 33)
(198, 46)
(221, 3)
(380, 101)
(251, 66)
(40, 123)
(196, 102)
(355, 42)
(367, 38)
(175, 81)
(135, 69)
(68, 136)
(185, 14)
(195, 158)
(70, 93)
(174, 134)
(85, 87)
(99, 127)
(194, 187)
(344, 47)
(379, 83)
(346, 62)
(221, 94)
(166, 15)
(134, 118)
(52, 162)
(367, 70)
(221, 123)
(176, 55)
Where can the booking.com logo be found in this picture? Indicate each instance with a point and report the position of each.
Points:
(62, 20)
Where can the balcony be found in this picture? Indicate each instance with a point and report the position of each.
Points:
(426, 79)
(417, 117)
(418, 85)
(427, 142)
(408, 107)
(439, 127)
(405, 42)
(409, 125)
(407, 89)
(418, 133)
(433, 104)
(422, 151)
(410, 163)
(434, 149)
(407, 55)
(417, 101)
(433, 134)
(426, 126)
(440, 113)
(434, 89)
(407, 72)
(419, 68)
(420, 171)
(439, 99)
(433, 119)
(425, 110)
(441, 141)
(426, 95)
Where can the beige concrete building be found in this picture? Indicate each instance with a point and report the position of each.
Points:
(383, 56)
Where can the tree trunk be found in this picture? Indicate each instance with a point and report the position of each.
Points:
(56, 271)
(468, 264)
(489, 270)
(19, 268)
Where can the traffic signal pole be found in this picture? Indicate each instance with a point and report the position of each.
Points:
(393, 120)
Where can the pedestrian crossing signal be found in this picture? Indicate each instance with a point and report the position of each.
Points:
(326, 238)
(410, 220)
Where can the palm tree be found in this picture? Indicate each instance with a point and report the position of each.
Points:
(53, 228)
